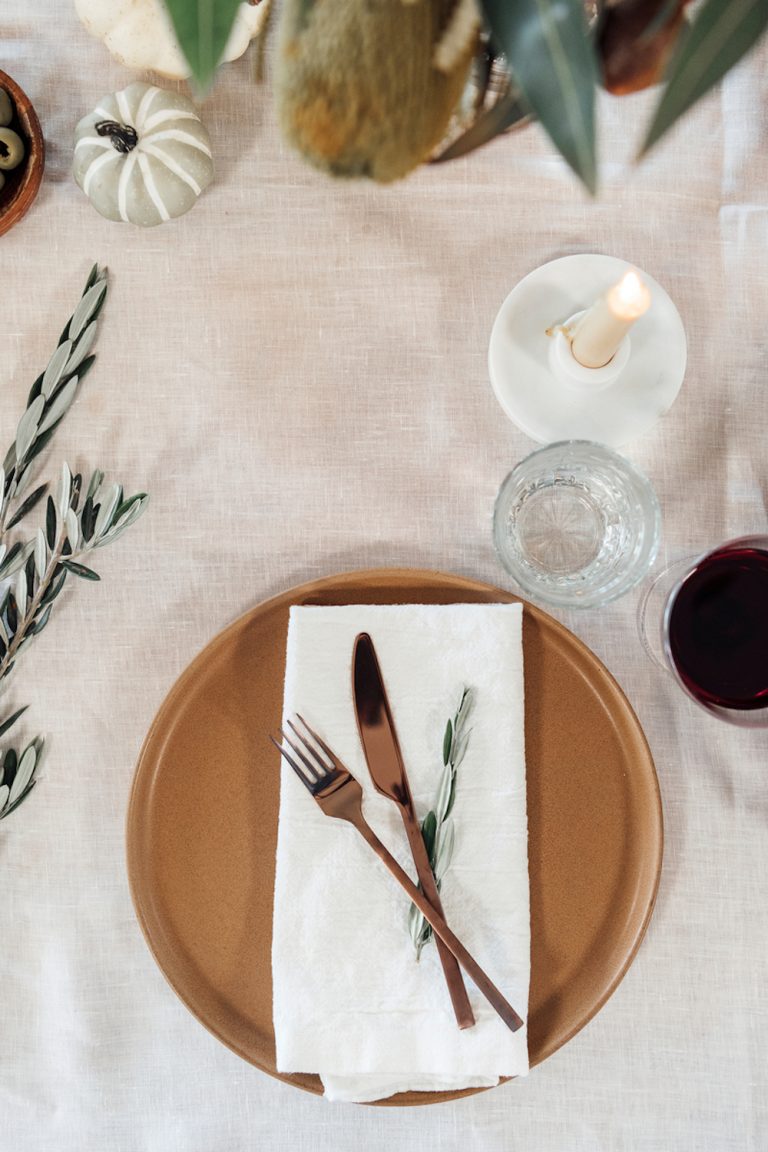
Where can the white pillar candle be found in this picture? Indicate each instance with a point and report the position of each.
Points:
(602, 329)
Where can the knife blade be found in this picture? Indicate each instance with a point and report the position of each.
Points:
(387, 768)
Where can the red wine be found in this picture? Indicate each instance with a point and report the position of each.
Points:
(718, 629)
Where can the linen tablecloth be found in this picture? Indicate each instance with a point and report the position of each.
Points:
(296, 372)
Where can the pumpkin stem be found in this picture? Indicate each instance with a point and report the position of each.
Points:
(122, 136)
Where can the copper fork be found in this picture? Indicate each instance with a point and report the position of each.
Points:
(339, 795)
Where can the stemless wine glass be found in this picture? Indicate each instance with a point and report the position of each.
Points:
(576, 524)
(705, 619)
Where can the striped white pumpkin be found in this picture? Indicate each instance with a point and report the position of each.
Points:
(143, 155)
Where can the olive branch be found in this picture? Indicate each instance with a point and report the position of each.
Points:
(34, 571)
(437, 829)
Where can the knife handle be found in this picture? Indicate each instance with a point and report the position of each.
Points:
(453, 978)
(468, 963)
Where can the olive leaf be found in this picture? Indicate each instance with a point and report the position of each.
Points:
(19, 776)
(437, 831)
(720, 35)
(50, 398)
(40, 566)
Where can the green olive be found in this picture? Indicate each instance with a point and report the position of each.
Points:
(11, 149)
(6, 108)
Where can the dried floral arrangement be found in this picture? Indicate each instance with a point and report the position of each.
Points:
(78, 520)
(340, 64)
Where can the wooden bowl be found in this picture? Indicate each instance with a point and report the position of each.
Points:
(23, 183)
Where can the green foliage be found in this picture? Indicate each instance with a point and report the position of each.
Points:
(34, 570)
(202, 29)
(721, 34)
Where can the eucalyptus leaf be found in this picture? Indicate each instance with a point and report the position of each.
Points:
(56, 367)
(27, 429)
(720, 35)
(202, 30)
(553, 62)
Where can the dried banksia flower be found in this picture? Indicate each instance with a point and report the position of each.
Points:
(367, 87)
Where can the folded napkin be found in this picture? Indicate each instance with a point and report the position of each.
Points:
(350, 1000)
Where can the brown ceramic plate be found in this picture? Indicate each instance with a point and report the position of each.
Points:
(23, 183)
(202, 821)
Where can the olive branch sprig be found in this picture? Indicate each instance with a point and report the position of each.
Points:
(437, 828)
(33, 572)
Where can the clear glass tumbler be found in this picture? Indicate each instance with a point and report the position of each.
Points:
(576, 525)
(705, 619)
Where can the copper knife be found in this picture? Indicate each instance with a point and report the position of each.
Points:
(387, 769)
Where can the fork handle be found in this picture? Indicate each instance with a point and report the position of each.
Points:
(441, 929)
(456, 989)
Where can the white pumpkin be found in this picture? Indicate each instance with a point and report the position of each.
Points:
(139, 33)
(143, 155)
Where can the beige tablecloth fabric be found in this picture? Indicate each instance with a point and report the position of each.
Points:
(296, 371)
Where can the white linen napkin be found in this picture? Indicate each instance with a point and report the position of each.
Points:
(350, 1001)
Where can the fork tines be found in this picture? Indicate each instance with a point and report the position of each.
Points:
(311, 759)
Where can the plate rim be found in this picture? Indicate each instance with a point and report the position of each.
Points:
(300, 593)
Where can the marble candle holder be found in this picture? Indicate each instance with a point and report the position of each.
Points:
(547, 393)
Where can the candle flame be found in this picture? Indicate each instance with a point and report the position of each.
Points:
(630, 298)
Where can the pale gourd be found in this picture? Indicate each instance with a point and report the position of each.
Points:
(142, 156)
(140, 35)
